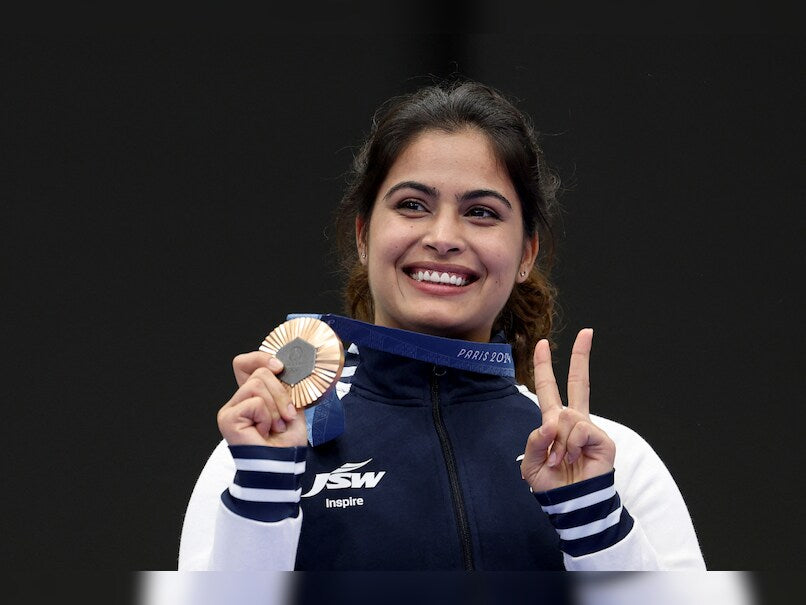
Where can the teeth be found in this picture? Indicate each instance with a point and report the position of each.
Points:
(439, 278)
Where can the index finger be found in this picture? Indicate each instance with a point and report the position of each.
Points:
(548, 395)
(245, 364)
(579, 385)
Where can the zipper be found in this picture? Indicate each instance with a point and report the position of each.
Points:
(453, 476)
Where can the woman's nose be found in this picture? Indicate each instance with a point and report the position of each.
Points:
(445, 234)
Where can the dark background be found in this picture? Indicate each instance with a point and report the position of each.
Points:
(166, 203)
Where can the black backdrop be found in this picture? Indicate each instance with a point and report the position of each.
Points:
(166, 202)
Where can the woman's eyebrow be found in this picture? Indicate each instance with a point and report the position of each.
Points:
(432, 191)
(478, 193)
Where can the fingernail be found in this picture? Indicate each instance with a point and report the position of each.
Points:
(275, 364)
(553, 459)
(280, 425)
(292, 411)
(568, 458)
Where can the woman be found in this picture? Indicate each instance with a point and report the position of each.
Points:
(437, 466)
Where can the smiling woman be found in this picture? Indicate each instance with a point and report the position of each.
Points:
(449, 448)
(476, 126)
(446, 245)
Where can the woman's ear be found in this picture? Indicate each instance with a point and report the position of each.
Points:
(361, 239)
(530, 247)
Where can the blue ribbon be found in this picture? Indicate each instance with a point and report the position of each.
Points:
(482, 357)
(325, 420)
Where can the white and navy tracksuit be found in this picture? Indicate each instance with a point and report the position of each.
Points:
(426, 475)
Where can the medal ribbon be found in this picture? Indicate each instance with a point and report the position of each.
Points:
(326, 419)
(482, 357)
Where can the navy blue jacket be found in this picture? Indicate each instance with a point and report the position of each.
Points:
(441, 485)
(419, 469)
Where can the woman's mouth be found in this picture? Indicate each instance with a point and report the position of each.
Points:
(440, 277)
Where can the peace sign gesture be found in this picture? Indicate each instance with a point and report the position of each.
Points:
(568, 447)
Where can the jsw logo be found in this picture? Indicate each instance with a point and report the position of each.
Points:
(343, 477)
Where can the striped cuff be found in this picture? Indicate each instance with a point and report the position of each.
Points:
(267, 481)
(587, 515)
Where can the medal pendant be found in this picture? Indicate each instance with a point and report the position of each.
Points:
(313, 356)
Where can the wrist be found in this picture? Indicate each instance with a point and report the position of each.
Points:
(266, 486)
(588, 515)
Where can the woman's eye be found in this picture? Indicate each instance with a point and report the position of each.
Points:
(411, 205)
(482, 212)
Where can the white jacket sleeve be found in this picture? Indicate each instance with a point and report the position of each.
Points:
(215, 538)
(663, 535)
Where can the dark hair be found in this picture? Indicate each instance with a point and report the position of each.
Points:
(450, 107)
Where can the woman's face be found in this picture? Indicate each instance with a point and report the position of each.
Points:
(446, 242)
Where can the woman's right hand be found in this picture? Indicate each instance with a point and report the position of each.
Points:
(260, 412)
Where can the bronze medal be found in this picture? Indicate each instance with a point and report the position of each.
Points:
(312, 354)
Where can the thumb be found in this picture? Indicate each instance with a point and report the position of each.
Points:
(538, 443)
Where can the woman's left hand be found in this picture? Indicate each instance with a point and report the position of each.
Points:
(568, 447)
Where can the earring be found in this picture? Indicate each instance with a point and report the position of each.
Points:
(523, 273)
(363, 255)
